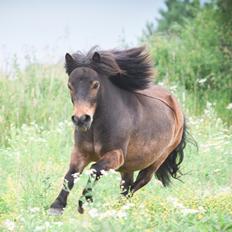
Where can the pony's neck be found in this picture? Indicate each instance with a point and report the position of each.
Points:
(111, 99)
(108, 96)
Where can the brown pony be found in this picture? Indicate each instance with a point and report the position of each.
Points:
(122, 121)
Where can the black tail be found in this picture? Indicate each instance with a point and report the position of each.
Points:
(170, 167)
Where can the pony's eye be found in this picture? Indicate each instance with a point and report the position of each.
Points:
(95, 84)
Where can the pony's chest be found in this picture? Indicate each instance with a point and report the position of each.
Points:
(91, 149)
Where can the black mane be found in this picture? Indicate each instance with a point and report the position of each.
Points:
(129, 69)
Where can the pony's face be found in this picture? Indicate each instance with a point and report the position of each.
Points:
(84, 86)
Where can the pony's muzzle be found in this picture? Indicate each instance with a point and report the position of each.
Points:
(83, 123)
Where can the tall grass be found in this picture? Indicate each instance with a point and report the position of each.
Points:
(37, 94)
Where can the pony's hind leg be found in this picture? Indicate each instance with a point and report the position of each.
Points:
(126, 182)
(143, 178)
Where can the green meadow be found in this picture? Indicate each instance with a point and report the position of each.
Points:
(192, 57)
(36, 139)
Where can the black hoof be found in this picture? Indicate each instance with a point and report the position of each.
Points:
(127, 194)
(56, 208)
(55, 211)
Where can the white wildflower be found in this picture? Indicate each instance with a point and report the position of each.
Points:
(122, 181)
(90, 172)
(121, 214)
(112, 171)
(229, 107)
(187, 211)
(39, 228)
(58, 223)
(76, 177)
(93, 213)
(9, 225)
(175, 202)
(34, 210)
(127, 206)
(225, 190)
(158, 182)
(43, 227)
(173, 88)
(161, 83)
(202, 81)
(103, 172)
(47, 224)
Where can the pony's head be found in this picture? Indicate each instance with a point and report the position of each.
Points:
(84, 85)
(130, 70)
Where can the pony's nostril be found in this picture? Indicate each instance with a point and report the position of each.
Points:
(85, 118)
(74, 119)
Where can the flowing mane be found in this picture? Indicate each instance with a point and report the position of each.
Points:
(129, 69)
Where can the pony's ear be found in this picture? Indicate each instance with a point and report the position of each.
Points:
(68, 58)
(70, 63)
(96, 57)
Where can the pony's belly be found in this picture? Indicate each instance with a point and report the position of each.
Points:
(135, 165)
(140, 157)
(144, 150)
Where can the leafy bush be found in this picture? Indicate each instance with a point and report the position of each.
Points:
(197, 56)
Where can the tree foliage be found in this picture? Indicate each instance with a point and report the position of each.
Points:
(177, 12)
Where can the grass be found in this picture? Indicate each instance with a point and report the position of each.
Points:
(36, 140)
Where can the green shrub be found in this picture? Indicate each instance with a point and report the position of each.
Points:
(197, 57)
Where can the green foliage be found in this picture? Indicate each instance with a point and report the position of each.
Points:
(177, 12)
(198, 57)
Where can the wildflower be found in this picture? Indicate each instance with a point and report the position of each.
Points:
(34, 210)
(103, 172)
(202, 81)
(39, 228)
(121, 214)
(229, 107)
(9, 225)
(187, 211)
(90, 171)
(76, 177)
(112, 171)
(93, 213)
(127, 206)
(183, 209)
(158, 182)
(58, 223)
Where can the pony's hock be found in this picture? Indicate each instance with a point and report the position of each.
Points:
(122, 122)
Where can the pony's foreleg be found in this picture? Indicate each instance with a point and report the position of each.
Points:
(110, 160)
(126, 182)
(77, 164)
(143, 178)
